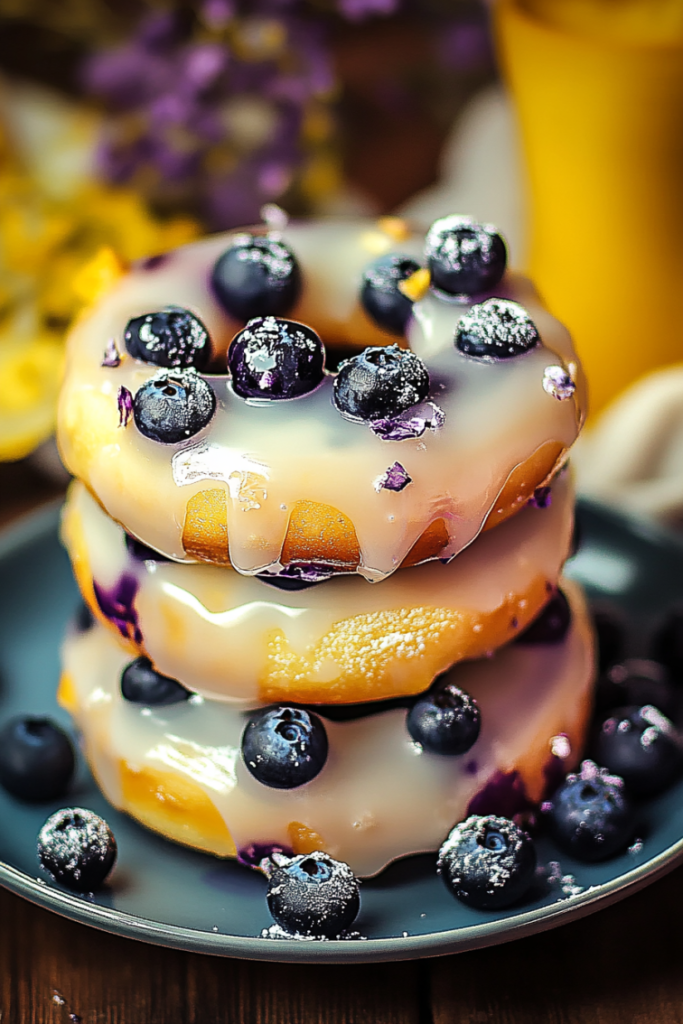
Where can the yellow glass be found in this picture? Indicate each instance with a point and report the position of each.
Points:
(598, 90)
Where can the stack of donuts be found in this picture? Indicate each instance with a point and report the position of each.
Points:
(319, 519)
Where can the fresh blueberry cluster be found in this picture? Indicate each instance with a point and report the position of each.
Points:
(313, 895)
(284, 747)
(256, 277)
(380, 382)
(488, 862)
(77, 848)
(142, 684)
(169, 337)
(275, 358)
(173, 405)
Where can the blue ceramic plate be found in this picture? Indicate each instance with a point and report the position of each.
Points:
(165, 894)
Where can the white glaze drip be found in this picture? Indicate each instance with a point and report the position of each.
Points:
(268, 455)
(379, 795)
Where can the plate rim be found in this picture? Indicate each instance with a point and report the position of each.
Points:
(36, 524)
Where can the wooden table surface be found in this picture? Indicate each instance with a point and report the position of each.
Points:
(623, 965)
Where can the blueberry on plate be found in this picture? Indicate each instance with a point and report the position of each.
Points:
(637, 681)
(464, 258)
(170, 337)
(590, 816)
(284, 747)
(496, 329)
(275, 358)
(445, 720)
(313, 895)
(77, 848)
(380, 295)
(551, 624)
(256, 277)
(142, 684)
(173, 406)
(380, 382)
(642, 746)
(37, 758)
(487, 862)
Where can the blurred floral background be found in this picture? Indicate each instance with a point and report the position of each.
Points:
(127, 128)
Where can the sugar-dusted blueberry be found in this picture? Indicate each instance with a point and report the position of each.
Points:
(381, 296)
(380, 382)
(590, 815)
(256, 277)
(77, 848)
(637, 681)
(173, 405)
(496, 329)
(284, 747)
(37, 758)
(445, 720)
(487, 862)
(170, 337)
(313, 895)
(142, 684)
(275, 358)
(642, 746)
(464, 257)
(551, 624)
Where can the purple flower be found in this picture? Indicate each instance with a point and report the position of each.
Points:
(124, 402)
(395, 479)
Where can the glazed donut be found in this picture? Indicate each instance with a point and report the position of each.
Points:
(232, 637)
(191, 464)
(179, 770)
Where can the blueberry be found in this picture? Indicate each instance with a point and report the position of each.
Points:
(487, 862)
(551, 624)
(77, 848)
(445, 720)
(170, 337)
(274, 358)
(380, 382)
(590, 815)
(642, 746)
(464, 257)
(284, 747)
(637, 681)
(256, 277)
(36, 758)
(142, 684)
(496, 329)
(313, 895)
(171, 407)
(380, 294)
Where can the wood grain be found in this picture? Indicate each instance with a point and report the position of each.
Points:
(622, 965)
(53, 971)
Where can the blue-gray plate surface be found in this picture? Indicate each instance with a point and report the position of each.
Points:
(165, 894)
